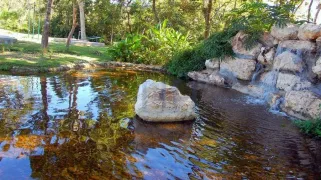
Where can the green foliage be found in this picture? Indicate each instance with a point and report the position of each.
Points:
(310, 127)
(216, 46)
(10, 20)
(157, 46)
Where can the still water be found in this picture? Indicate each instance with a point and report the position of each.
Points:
(82, 125)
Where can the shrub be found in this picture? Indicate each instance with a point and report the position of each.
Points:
(310, 127)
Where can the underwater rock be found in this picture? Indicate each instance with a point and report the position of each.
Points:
(302, 104)
(242, 68)
(158, 102)
(288, 61)
(309, 31)
(289, 32)
(238, 45)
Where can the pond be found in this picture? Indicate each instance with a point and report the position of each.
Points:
(82, 125)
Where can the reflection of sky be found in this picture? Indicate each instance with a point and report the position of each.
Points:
(9, 170)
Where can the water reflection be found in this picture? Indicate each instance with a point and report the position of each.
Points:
(81, 125)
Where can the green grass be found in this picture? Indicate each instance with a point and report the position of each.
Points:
(310, 127)
(28, 54)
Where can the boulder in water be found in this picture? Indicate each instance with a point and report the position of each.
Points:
(309, 31)
(209, 77)
(158, 102)
(302, 104)
(290, 82)
(288, 32)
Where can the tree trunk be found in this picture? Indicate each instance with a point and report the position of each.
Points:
(46, 26)
(74, 24)
(44, 97)
(297, 8)
(309, 11)
(82, 19)
(207, 9)
(155, 12)
(317, 14)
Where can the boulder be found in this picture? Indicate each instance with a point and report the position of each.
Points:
(238, 45)
(212, 64)
(289, 32)
(266, 56)
(288, 82)
(297, 46)
(207, 76)
(317, 68)
(288, 61)
(267, 40)
(302, 104)
(309, 31)
(241, 68)
(158, 102)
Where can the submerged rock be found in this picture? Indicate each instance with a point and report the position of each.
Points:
(238, 45)
(158, 102)
(302, 104)
(309, 31)
(288, 61)
(242, 68)
(289, 32)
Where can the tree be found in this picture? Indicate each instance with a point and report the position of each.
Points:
(74, 24)
(46, 26)
(309, 11)
(155, 12)
(82, 19)
(317, 13)
(207, 9)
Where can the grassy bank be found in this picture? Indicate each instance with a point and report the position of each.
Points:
(310, 128)
(28, 54)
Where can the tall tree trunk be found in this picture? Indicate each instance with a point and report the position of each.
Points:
(44, 97)
(46, 26)
(82, 19)
(155, 12)
(74, 24)
(207, 9)
(317, 14)
(309, 11)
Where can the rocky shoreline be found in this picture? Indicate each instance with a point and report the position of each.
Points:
(284, 69)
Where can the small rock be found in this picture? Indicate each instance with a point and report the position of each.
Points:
(212, 64)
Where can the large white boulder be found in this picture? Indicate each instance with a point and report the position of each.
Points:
(309, 31)
(241, 68)
(288, 82)
(298, 46)
(240, 50)
(288, 61)
(288, 32)
(158, 102)
(302, 104)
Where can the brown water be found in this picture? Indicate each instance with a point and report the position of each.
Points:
(83, 126)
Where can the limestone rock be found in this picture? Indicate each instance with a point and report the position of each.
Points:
(253, 90)
(212, 64)
(207, 76)
(290, 82)
(238, 45)
(317, 68)
(288, 61)
(309, 31)
(158, 102)
(242, 68)
(289, 32)
(297, 46)
(302, 104)
(266, 56)
(267, 40)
